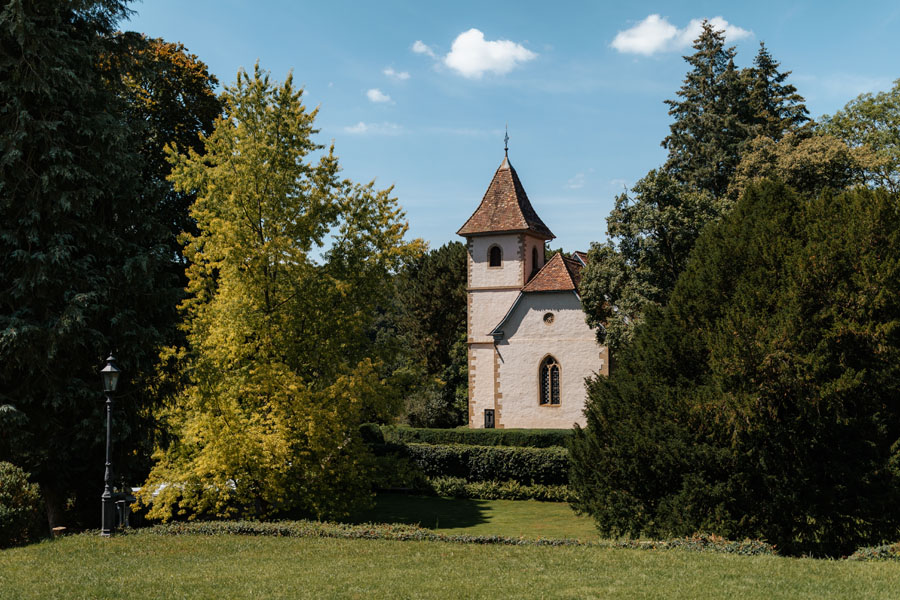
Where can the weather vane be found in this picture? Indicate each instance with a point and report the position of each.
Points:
(506, 141)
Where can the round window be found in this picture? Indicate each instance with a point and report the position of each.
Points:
(548, 318)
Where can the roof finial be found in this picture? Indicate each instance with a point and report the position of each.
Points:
(506, 142)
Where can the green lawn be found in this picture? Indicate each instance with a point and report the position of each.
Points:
(227, 566)
(511, 518)
(143, 565)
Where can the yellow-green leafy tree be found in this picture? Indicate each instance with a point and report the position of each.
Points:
(285, 278)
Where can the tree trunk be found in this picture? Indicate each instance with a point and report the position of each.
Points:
(54, 503)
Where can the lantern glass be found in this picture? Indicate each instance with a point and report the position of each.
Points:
(110, 375)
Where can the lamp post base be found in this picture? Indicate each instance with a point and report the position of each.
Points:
(108, 517)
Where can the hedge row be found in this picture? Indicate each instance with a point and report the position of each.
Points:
(397, 532)
(546, 466)
(532, 438)
(457, 487)
(317, 529)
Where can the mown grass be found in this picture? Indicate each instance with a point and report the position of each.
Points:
(229, 566)
(511, 518)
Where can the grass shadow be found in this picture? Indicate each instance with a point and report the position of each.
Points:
(427, 511)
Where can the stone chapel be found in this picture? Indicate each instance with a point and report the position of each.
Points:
(529, 347)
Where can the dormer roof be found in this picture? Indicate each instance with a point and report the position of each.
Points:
(505, 208)
(560, 274)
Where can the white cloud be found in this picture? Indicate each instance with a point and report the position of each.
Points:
(376, 95)
(398, 75)
(419, 47)
(385, 128)
(576, 182)
(655, 34)
(472, 56)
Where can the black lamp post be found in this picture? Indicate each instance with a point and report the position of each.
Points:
(110, 375)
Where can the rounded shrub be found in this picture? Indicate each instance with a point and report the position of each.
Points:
(19, 506)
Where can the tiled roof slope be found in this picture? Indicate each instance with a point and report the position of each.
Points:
(560, 274)
(582, 256)
(505, 208)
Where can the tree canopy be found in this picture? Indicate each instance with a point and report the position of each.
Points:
(169, 97)
(718, 112)
(431, 327)
(653, 234)
(872, 121)
(83, 252)
(761, 401)
(281, 369)
(809, 162)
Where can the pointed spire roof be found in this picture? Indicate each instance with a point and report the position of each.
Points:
(560, 274)
(505, 208)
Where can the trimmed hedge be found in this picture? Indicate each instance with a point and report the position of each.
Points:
(397, 532)
(318, 529)
(546, 466)
(457, 487)
(532, 438)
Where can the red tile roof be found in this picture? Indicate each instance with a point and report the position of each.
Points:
(505, 208)
(560, 274)
(581, 256)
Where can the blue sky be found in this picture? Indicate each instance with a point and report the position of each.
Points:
(416, 94)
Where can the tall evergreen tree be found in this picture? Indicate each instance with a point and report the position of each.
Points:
(83, 255)
(711, 120)
(721, 114)
(775, 106)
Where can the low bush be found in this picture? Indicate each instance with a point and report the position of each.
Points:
(19, 506)
(533, 438)
(547, 466)
(457, 487)
(371, 434)
(885, 552)
(702, 542)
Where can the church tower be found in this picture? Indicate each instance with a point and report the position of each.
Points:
(505, 241)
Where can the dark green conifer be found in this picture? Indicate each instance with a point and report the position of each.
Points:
(82, 253)
(762, 400)
(711, 117)
(775, 106)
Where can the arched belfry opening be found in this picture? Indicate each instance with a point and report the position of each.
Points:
(495, 256)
